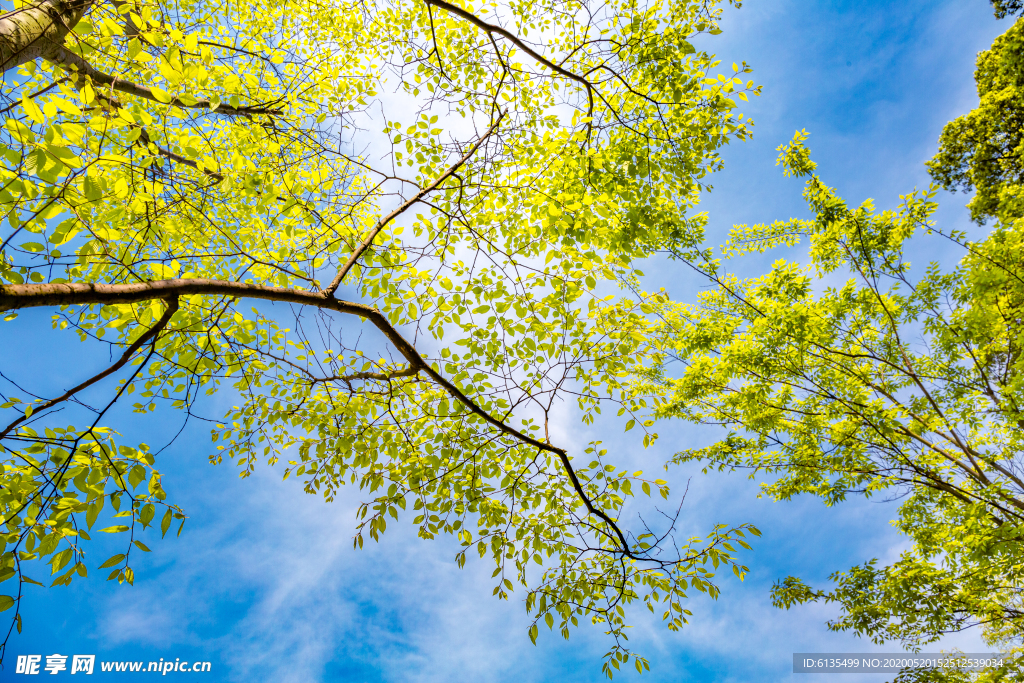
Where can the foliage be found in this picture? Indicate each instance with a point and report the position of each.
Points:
(436, 205)
(857, 374)
(1004, 7)
(860, 374)
(984, 149)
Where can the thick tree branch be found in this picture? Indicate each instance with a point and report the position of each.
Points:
(37, 30)
(85, 293)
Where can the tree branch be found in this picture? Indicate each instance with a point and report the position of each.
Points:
(37, 30)
(69, 59)
(85, 293)
(144, 138)
(515, 40)
(172, 307)
(368, 240)
(511, 37)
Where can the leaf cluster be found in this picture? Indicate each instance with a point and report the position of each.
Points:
(858, 375)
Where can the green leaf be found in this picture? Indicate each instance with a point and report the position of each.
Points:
(161, 95)
(165, 523)
(136, 475)
(146, 514)
(67, 107)
(32, 109)
(93, 511)
(91, 188)
(114, 560)
(60, 560)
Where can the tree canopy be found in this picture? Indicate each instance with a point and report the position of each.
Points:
(402, 233)
(984, 149)
(857, 372)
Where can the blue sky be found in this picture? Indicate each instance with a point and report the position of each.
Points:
(264, 582)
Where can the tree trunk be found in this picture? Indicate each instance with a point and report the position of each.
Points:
(37, 30)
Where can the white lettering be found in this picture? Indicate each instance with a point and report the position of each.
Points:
(56, 663)
(82, 663)
(28, 664)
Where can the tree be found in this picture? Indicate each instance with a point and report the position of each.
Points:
(395, 231)
(984, 150)
(860, 373)
(885, 384)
